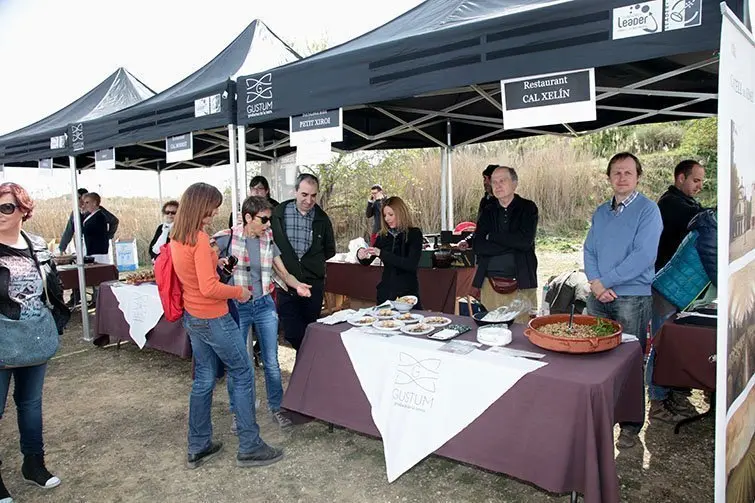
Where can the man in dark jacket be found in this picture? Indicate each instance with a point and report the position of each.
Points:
(374, 210)
(505, 243)
(678, 206)
(304, 235)
(258, 186)
(112, 222)
(487, 198)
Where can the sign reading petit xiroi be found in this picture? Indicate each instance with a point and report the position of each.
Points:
(567, 88)
(315, 120)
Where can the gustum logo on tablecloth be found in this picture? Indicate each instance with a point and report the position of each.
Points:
(415, 382)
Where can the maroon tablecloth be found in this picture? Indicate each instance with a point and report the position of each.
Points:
(94, 274)
(554, 428)
(438, 288)
(682, 356)
(111, 326)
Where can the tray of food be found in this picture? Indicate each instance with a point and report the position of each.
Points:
(385, 314)
(409, 318)
(362, 321)
(437, 321)
(389, 325)
(587, 334)
(417, 329)
(137, 278)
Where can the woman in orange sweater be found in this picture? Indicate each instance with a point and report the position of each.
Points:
(213, 333)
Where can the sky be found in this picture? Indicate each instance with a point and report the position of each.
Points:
(52, 52)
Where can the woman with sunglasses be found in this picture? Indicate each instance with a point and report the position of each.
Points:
(31, 305)
(259, 268)
(214, 334)
(399, 246)
(162, 233)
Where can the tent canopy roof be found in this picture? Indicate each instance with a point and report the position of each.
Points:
(139, 132)
(443, 61)
(31, 143)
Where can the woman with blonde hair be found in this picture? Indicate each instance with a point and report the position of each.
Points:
(214, 334)
(399, 246)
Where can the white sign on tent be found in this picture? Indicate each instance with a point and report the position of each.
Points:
(554, 98)
(735, 407)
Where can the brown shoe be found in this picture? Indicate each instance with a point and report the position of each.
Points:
(680, 404)
(660, 410)
(627, 439)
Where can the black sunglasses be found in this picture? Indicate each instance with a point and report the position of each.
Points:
(8, 208)
(170, 212)
(264, 220)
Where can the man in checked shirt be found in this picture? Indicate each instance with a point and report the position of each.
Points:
(619, 253)
(304, 235)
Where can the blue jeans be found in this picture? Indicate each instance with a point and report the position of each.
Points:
(662, 311)
(212, 340)
(634, 313)
(261, 314)
(27, 393)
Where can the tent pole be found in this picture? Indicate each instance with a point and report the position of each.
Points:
(443, 190)
(449, 168)
(160, 189)
(79, 249)
(234, 168)
(242, 155)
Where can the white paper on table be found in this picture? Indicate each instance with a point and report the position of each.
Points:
(141, 307)
(337, 317)
(420, 396)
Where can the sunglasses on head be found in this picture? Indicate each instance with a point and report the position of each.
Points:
(8, 208)
(264, 220)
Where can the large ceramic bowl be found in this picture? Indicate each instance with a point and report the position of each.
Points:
(571, 344)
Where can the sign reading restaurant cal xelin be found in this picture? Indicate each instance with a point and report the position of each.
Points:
(555, 98)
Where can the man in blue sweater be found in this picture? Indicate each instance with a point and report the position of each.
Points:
(620, 252)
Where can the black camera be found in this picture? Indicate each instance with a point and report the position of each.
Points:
(232, 261)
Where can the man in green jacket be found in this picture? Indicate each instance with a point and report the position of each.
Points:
(304, 235)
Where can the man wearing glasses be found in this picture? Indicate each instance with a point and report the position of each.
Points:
(304, 235)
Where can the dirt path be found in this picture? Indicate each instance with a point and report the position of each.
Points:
(115, 430)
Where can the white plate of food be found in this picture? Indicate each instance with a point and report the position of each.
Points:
(362, 321)
(418, 329)
(409, 318)
(384, 314)
(388, 325)
(436, 321)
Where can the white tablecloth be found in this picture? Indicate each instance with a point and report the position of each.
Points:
(422, 397)
(141, 307)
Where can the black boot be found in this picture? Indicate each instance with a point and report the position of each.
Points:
(4, 494)
(35, 472)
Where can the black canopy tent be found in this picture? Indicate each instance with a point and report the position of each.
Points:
(138, 133)
(46, 138)
(431, 77)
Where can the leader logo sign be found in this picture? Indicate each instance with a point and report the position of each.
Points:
(638, 19)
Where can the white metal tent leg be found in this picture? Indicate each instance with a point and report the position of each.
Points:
(160, 190)
(242, 155)
(443, 190)
(77, 241)
(449, 168)
(234, 168)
